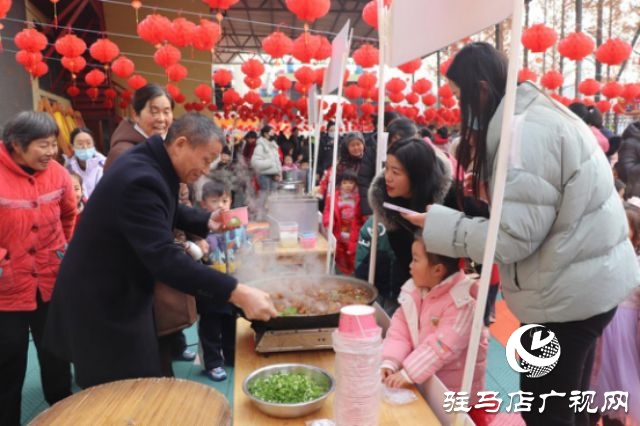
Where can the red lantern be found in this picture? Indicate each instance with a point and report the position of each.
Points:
(173, 90)
(104, 50)
(552, 80)
(526, 74)
(70, 45)
(280, 100)
(277, 44)
(73, 91)
(74, 65)
(539, 38)
(5, 5)
(180, 98)
(319, 76)
(28, 59)
(204, 92)
(395, 85)
(612, 89)
(352, 91)
(412, 98)
(231, 97)
(366, 56)
(136, 82)
(589, 87)
(309, 10)
(123, 67)
(220, 4)
(396, 97)
(603, 106)
(222, 77)
(252, 98)
(252, 83)
(30, 40)
(301, 104)
(153, 28)
(445, 91)
(411, 66)
(444, 67)
(619, 108)
(367, 109)
(198, 106)
(176, 72)
(282, 83)
(304, 75)
(367, 80)
(206, 35)
(252, 68)
(613, 52)
(109, 93)
(181, 32)
(370, 12)
(302, 88)
(429, 99)
(421, 86)
(631, 91)
(93, 93)
(576, 46)
(95, 78)
(167, 55)
(448, 102)
(126, 95)
(324, 50)
(305, 47)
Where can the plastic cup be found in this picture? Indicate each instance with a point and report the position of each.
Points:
(358, 320)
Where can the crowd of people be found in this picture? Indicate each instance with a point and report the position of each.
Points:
(83, 243)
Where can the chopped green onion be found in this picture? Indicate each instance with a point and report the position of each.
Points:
(286, 388)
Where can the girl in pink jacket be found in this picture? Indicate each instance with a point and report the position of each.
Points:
(430, 332)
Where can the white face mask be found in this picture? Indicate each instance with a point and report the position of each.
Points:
(84, 154)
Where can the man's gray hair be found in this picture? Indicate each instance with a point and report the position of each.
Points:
(197, 128)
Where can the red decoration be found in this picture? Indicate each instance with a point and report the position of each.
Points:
(589, 87)
(395, 85)
(619, 108)
(173, 90)
(180, 98)
(304, 75)
(421, 86)
(280, 100)
(206, 35)
(396, 97)
(305, 47)
(28, 59)
(5, 5)
(631, 91)
(73, 91)
(176, 72)
(367, 80)
(301, 104)
(181, 32)
(324, 50)
(552, 80)
(448, 102)
(576, 46)
(252, 83)
(366, 56)
(445, 91)
(412, 98)
(444, 66)
(309, 10)
(93, 93)
(370, 12)
(95, 78)
(70, 45)
(367, 109)
(613, 51)
(167, 55)
(252, 98)
(526, 74)
(252, 68)
(319, 76)
(74, 65)
(109, 93)
(136, 82)
(104, 50)
(222, 77)
(123, 67)
(204, 92)
(220, 4)
(30, 40)
(612, 89)
(352, 91)
(153, 28)
(302, 88)
(539, 38)
(411, 66)
(282, 83)
(231, 97)
(429, 99)
(277, 44)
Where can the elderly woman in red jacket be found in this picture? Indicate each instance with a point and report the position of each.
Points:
(37, 214)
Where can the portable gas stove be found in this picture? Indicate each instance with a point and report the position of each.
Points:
(309, 339)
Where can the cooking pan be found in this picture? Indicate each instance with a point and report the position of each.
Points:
(295, 282)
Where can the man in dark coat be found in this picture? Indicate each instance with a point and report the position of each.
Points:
(101, 316)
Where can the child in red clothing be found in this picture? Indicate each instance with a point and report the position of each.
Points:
(347, 221)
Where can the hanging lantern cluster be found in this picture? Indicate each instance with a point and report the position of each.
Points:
(308, 10)
(123, 67)
(277, 44)
(136, 82)
(539, 38)
(576, 46)
(589, 87)
(104, 50)
(613, 51)
(366, 56)
(612, 90)
(222, 77)
(31, 43)
(282, 83)
(552, 80)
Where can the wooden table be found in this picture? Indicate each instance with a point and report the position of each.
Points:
(150, 401)
(247, 360)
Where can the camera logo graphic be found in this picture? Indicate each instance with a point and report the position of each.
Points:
(540, 358)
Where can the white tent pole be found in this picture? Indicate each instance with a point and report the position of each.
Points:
(381, 143)
(334, 161)
(497, 196)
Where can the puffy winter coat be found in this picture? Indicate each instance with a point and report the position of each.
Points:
(563, 247)
(91, 174)
(123, 139)
(265, 159)
(37, 214)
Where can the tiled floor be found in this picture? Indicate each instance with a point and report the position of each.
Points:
(500, 377)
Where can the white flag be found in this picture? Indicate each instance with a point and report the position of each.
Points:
(420, 27)
(335, 70)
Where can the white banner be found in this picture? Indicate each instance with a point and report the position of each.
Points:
(335, 70)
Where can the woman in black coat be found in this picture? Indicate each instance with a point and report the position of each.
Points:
(628, 165)
(101, 315)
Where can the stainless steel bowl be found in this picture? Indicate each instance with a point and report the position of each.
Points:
(290, 410)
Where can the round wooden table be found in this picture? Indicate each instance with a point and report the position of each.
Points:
(149, 401)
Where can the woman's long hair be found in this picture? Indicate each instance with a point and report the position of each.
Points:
(480, 72)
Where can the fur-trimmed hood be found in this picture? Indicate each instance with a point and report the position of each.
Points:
(389, 218)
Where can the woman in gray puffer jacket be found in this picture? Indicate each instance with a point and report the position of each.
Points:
(628, 165)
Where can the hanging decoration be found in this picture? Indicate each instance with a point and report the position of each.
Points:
(538, 38)
(252, 68)
(319, 76)
(73, 91)
(153, 29)
(445, 91)
(136, 5)
(444, 66)
(70, 45)
(305, 47)
(204, 92)
(366, 56)
(167, 55)
(252, 83)
(28, 59)
(411, 66)
(589, 87)
(230, 97)
(395, 85)
(324, 49)
(104, 50)
(612, 89)
(277, 44)
(136, 81)
(525, 74)
(630, 92)
(222, 77)
(206, 35)
(396, 96)
(181, 32)
(176, 72)
(5, 5)
(613, 51)
(421, 86)
(367, 80)
(552, 80)
(305, 75)
(73, 64)
(370, 12)
(603, 106)
(32, 43)
(352, 91)
(173, 90)
(123, 67)
(95, 77)
(308, 10)
(282, 83)
(576, 46)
